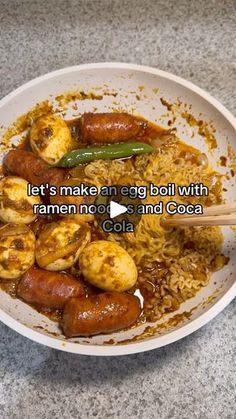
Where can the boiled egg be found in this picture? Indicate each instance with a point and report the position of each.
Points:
(15, 204)
(17, 247)
(50, 138)
(108, 266)
(59, 244)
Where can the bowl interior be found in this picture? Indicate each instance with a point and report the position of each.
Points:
(140, 91)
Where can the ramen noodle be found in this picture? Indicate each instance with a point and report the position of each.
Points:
(173, 263)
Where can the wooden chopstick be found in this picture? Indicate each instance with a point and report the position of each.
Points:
(210, 220)
(214, 210)
(224, 214)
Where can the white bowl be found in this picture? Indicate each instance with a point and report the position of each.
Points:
(129, 80)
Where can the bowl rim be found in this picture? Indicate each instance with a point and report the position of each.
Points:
(158, 341)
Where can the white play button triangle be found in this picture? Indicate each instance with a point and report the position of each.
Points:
(116, 209)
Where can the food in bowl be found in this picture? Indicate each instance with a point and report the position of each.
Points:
(90, 277)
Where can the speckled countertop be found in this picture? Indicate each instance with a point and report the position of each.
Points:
(195, 377)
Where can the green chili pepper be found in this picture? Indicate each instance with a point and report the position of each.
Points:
(116, 151)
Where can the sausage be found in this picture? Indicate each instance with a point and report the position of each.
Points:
(102, 313)
(48, 289)
(25, 164)
(115, 127)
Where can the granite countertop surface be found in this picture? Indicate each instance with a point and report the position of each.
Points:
(195, 377)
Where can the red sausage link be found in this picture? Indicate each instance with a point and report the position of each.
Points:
(25, 164)
(48, 289)
(114, 127)
(102, 313)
